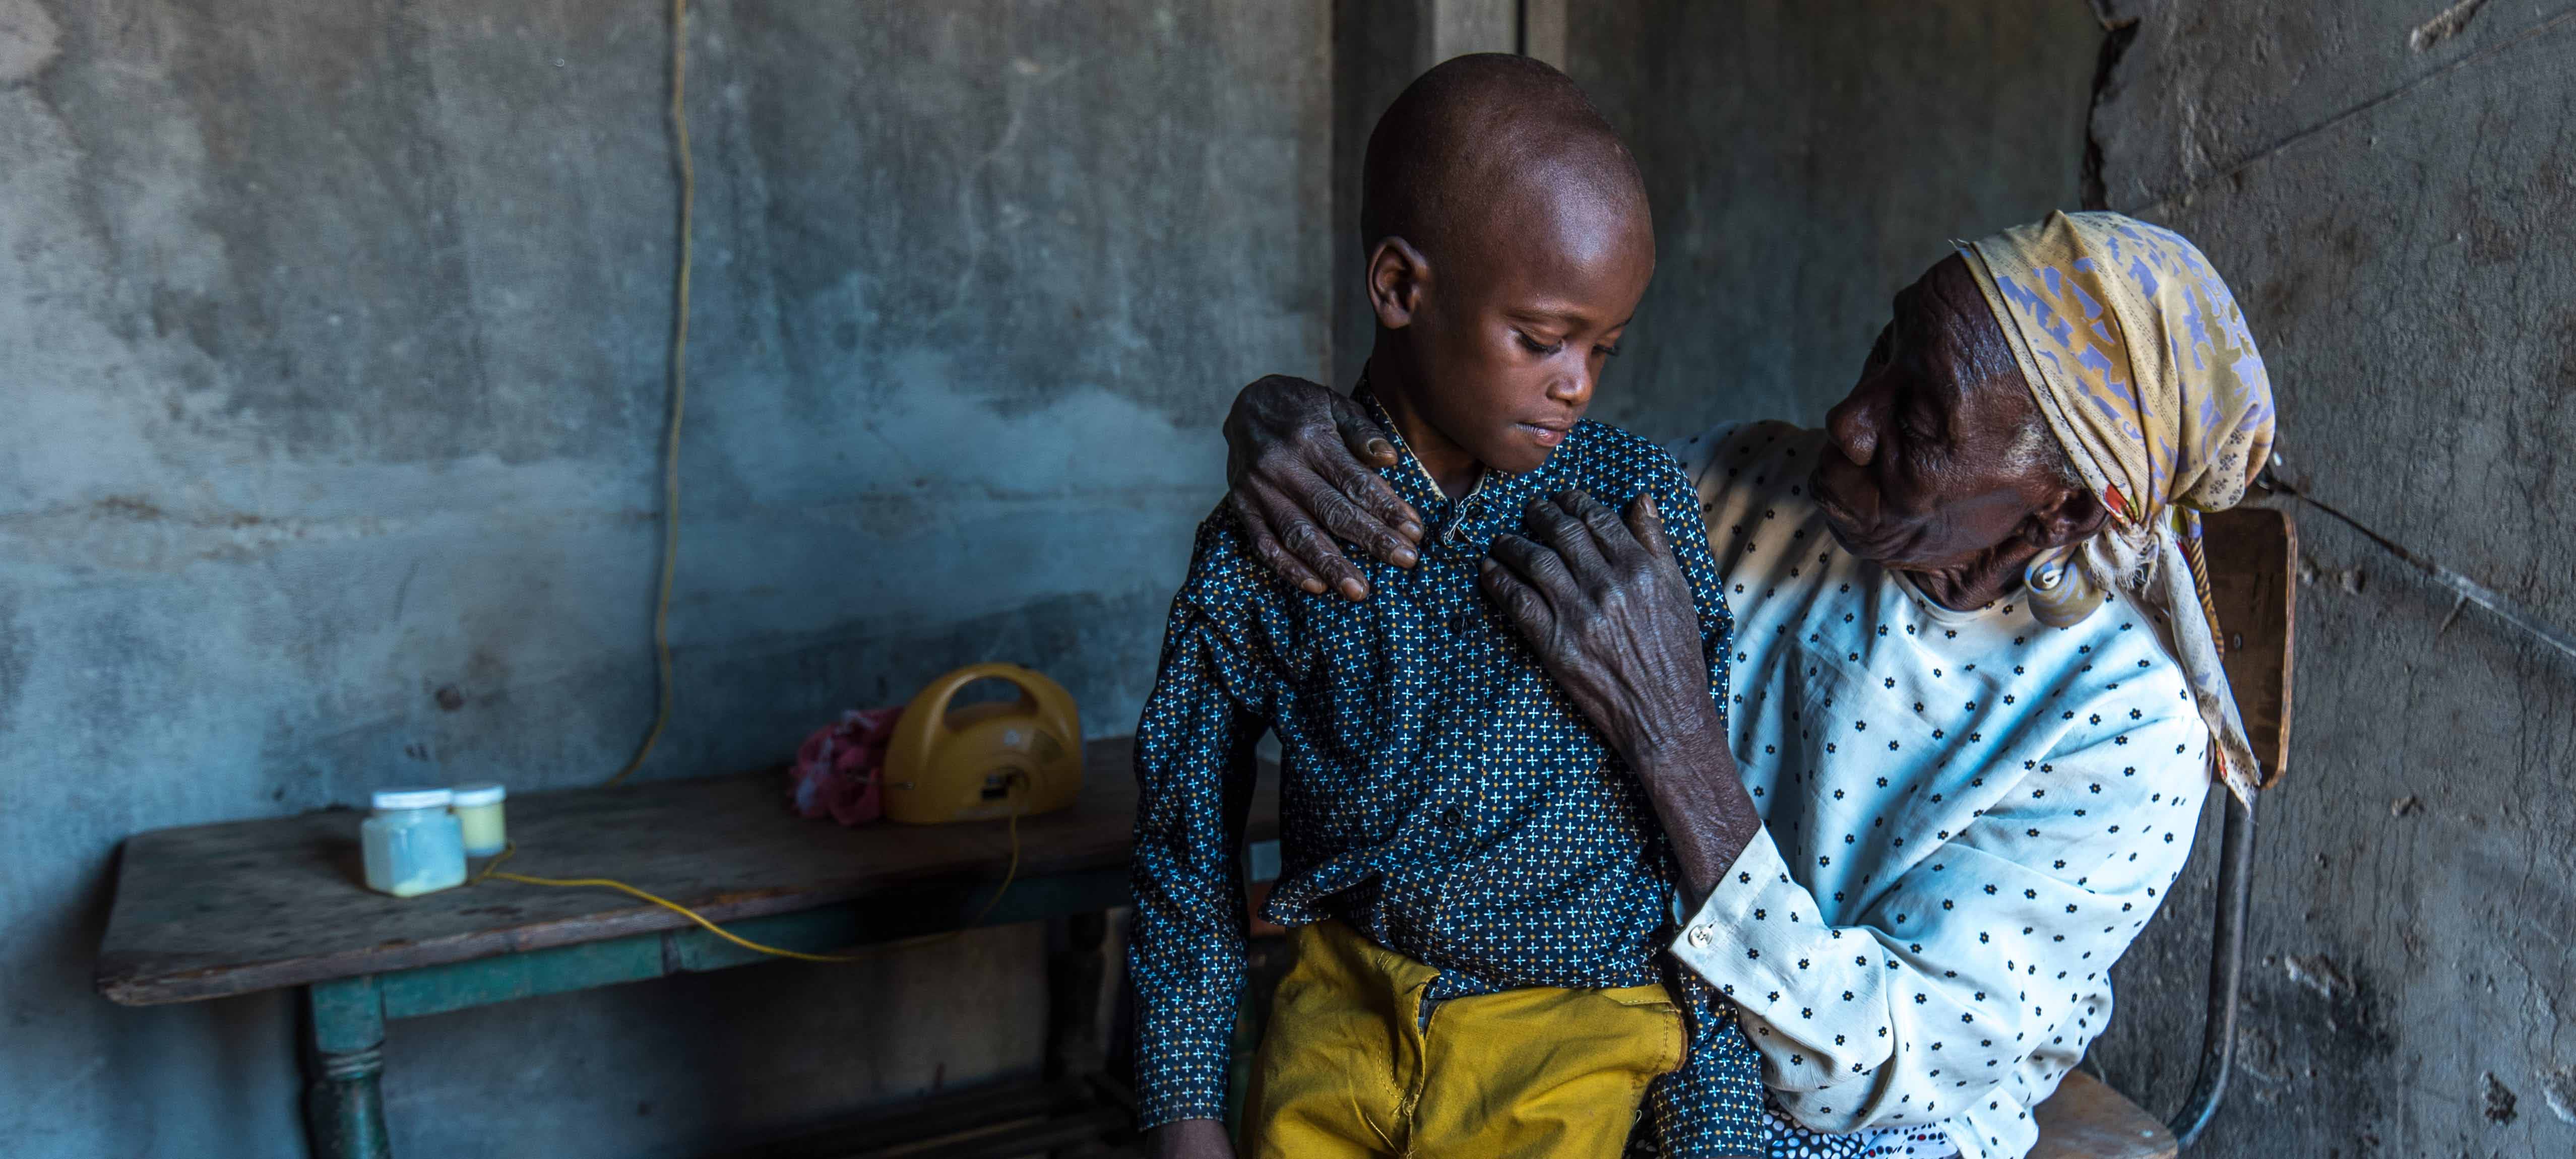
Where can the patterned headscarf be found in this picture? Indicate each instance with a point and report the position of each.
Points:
(2142, 364)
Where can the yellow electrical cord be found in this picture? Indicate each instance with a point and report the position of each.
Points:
(671, 559)
(679, 392)
(492, 870)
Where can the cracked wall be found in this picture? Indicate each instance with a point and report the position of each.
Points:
(2389, 187)
(1808, 160)
(335, 388)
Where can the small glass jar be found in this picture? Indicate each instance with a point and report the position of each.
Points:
(412, 843)
(478, 813)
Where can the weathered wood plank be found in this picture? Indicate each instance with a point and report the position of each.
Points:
(213, 910)
(2253, 581)
(2087, 1120)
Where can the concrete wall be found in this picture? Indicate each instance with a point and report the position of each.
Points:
(329, 422)
(2393, 196)
(1806, 160)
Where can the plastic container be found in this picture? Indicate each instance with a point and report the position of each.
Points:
(412, 843)
(478, 813)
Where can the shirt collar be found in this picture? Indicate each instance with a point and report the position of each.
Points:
(1410, 474)
(1929, 606)
(1495, 492)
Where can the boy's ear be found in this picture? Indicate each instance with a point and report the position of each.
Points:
(1397, 276)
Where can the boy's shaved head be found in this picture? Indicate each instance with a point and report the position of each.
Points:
(1482, 133)
(1508, 244)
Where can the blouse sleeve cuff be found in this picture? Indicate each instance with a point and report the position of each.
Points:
(1759, 938)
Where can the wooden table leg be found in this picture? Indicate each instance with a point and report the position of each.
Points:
(344, 1112)
(1075, 978)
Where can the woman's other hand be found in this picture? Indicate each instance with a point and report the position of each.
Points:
(1606, 608)
(1298, 462)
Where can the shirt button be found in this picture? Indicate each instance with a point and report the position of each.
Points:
(1451, 816)
(1461, 623)
(1699, 937)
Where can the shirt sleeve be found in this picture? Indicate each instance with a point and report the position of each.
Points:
(1971, 960)
(1678, 503)
(1194, 776)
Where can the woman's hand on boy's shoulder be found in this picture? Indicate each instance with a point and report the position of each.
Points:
(1189, 1139)
(1299, 464)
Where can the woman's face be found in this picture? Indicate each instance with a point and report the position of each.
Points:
(1929, 466)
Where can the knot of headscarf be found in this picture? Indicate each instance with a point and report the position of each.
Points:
(2140, 360)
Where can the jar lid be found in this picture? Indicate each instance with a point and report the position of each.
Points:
(411, 798)
(480, 793)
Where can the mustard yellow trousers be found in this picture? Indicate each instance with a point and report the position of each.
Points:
(1348, 1067)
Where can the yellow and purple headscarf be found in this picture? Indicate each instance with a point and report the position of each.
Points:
(2142, 364)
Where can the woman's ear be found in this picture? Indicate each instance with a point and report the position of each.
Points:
(1397, 276)
(2073, 517)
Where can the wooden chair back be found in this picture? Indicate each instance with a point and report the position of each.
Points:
(2253, 557)
(2254, 582)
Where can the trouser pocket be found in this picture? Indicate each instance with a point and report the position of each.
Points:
(1542, 1072)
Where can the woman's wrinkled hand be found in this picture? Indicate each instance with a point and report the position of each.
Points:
(1298, 463)
(1606, 608)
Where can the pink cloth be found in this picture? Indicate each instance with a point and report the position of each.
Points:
(840, 770)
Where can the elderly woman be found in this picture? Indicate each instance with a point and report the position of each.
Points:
(1977, 695)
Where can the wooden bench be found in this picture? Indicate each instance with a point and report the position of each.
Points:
(212, 911)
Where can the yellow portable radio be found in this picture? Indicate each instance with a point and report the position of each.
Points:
(983, 761)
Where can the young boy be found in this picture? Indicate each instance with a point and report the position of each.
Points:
(1480, 888)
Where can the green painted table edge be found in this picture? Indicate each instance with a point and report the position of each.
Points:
(345, 1028)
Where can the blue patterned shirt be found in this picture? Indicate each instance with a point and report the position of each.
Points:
(1440, 795)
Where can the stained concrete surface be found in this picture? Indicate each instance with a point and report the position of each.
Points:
(334, 394)
(1807, 160)
(2397, 223)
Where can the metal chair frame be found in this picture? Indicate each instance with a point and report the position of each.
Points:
(2274, 554)
(2226, 972)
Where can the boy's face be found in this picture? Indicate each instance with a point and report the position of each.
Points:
(1504, 341)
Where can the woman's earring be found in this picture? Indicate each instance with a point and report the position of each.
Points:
(2061, 595)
